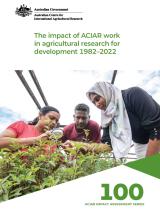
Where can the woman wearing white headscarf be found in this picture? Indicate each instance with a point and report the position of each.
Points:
(127, 115)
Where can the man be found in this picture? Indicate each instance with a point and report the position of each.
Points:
(83, 129)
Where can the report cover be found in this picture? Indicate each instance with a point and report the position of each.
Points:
(68, 53)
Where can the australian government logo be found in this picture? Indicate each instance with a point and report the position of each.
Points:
(23, 11)
(49, 14)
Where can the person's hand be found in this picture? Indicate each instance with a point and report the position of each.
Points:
(153, 147)
(44, 136)
(68, 144)
(78, 146)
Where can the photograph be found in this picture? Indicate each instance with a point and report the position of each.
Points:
(52, 133)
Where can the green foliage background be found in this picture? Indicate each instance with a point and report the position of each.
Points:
(23, 172)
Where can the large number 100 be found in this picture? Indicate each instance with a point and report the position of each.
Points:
(124, 192)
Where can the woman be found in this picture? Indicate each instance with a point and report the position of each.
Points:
(28, 133)
(127, 115)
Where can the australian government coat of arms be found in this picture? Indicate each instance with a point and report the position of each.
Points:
(23, 11)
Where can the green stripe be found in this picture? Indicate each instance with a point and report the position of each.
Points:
(149, 165)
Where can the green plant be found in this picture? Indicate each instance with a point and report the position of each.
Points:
(44, 165)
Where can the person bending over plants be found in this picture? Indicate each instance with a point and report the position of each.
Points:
(29, 133)
(127, 115)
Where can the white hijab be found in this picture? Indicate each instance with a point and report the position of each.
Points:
(115, 116)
